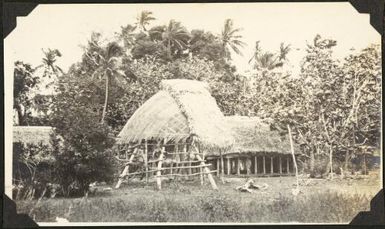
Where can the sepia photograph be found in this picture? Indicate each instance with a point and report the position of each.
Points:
(193, 113)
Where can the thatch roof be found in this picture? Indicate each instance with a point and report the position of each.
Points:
(32, 134)
(182, 108)
(252, 134)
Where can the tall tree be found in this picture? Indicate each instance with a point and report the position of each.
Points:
(175, 38)
(24, 82)
(268, 61)
(231, 39)
(127, 35)
(49, 63)
(144, 19)
(106, 66)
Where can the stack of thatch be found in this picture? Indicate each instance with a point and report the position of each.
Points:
(32, 134)
(253, 134)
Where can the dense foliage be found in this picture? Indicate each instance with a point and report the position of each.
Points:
(32, 166)
(325, 104)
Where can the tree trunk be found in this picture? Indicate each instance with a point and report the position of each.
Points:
(169, 50)
(20, 115)
(105, 100)
(347, 157)
(331, 161)
(222, 168)
(312, 160)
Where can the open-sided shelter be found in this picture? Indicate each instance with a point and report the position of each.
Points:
(257, 149)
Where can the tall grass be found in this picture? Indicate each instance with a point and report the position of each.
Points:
(213, 207)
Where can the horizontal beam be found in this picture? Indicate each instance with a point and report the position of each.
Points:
(187, 175)
(186, 167)
(262, 175)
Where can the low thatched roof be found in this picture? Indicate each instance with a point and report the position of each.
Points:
(32, 134)
(254, 135)
(182, 108)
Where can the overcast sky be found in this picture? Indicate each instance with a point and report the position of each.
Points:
(66, 27)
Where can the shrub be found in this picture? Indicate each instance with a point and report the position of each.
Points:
(219, 207)
(32, 170)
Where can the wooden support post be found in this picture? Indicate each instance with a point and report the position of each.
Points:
(264, 164)
(126, 169)
(159, 173)
(287, 165)
(271, 165)
(200, 170)
(280, 165)
(228, 166)
(238, 166)
(256, 165)
(222, 168)
(248, 166)
(218, 167)
(207, 171)
(185, 153)
(176, 151)
(146, 158)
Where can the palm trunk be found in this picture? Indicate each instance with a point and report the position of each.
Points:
(169, 50)
(20, 116)
(105, 100)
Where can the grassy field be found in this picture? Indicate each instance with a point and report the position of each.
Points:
(320, 201)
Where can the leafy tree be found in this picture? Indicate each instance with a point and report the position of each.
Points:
(24, 82)
(32, 166)
(49, 63)
(231, 39)
(127, 35)
(148, 45)
(361, 100)
(319, 104)
(206, 45)
(82, 153)
(175, 38)
(264, 61)
(105, 66)
(144, 19)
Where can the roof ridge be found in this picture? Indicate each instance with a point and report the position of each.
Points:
(174, 95)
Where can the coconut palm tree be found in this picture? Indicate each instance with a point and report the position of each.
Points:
(230, 38)
(257, 51)
(175, 37)
(49, 63)
(127, 35)
(268, 60)
(107, 66)
(144, 19)
(283, 51)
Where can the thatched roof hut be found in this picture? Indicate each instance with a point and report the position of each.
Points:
(252, 134)
(32, 134)
(181, 109)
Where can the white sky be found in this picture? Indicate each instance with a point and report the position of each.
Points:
(66, 27)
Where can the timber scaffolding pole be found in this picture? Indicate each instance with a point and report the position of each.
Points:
(159, 169)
